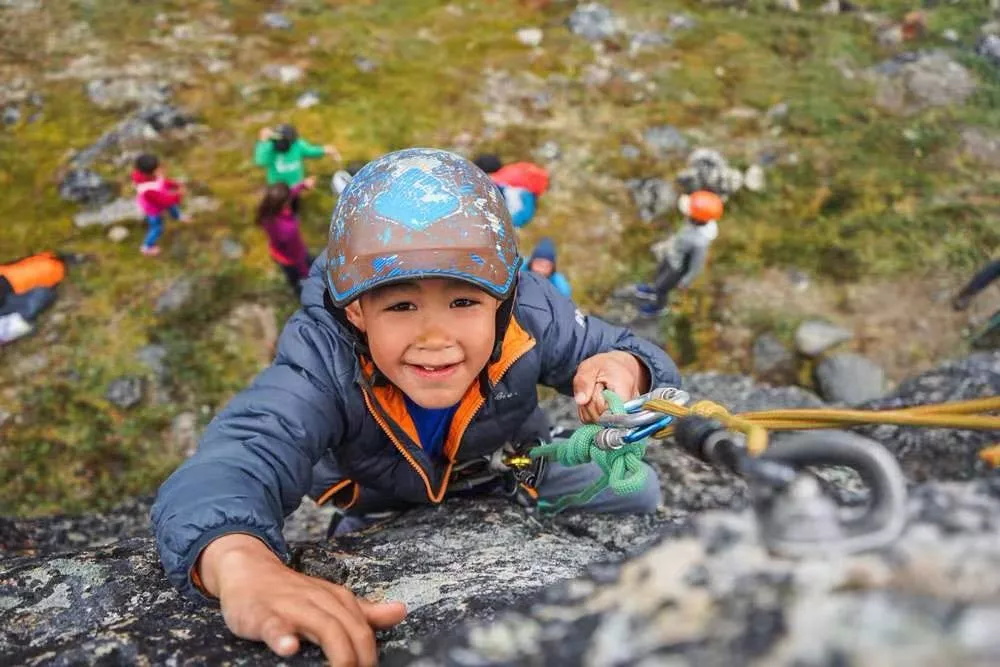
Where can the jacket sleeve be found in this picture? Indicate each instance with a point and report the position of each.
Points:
(566, 337)
(311, 150)
(263, 153)
(254, 462)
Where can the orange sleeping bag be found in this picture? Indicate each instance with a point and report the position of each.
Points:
(41, 270)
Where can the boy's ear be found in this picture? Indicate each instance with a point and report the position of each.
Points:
(355, 316)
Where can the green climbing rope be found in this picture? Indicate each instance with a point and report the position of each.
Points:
(624, 472)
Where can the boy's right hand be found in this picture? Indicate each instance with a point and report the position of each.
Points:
(264, 600)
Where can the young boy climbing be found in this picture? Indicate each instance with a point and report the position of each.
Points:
(276, 215)
(155, 195)
(685, 251)
(282, 152)
(411, 366)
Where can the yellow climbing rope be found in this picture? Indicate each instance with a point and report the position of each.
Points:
(755, 425)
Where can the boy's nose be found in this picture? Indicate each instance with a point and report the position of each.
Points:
(433, 336)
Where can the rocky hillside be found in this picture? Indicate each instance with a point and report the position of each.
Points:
(496, 586)
(859, 140)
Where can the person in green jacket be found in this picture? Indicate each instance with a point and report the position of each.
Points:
(282, 152)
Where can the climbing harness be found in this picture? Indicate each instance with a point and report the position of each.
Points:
(794, 515)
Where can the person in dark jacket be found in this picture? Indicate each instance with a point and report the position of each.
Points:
(413, 363)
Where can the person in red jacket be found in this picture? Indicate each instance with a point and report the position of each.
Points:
(155, 195)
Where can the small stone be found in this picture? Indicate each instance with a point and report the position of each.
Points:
(950, 35)
(594, 22)
(125, 392)
(307, 99)
(153, 357)
(989, 48)
(276, 21)
(11, 114)
(184, 433)
(231, 249)
(753, 179)
(772, 361)
(117, 234)
(548, 151)
(665, 140)
(813, 337)
(365, 65)
(778, 112)
(630, 152)
(682, 22)
(284, 73)
(530, 36)
(789, 5)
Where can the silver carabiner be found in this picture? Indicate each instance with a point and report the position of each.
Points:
(630, 420)
(672, 394)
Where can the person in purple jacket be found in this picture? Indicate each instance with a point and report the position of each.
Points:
(276, 214)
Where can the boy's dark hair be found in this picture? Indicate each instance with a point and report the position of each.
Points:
(287, 135)
(488, 162)
(354, 166)
(147, 163)
(275, 199)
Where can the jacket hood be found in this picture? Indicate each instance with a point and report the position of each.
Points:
(546, 249)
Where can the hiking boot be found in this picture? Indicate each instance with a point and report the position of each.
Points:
(652, 310)
(150, 250)
(644, 292)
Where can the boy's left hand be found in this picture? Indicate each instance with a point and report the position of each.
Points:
(618, 371)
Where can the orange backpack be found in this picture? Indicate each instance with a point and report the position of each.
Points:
(41, 270)
(525, 175)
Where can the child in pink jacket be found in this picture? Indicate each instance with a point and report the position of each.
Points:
(155, 194)
(276, 214)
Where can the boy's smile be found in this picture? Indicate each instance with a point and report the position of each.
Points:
(430, 337)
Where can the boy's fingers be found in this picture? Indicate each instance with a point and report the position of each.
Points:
(325, 630)
(584, 383)
(279, 635)
(383, 615)
(353, 619)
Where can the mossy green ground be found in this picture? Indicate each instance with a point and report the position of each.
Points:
(863, 199)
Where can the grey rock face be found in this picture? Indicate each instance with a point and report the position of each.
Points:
(488, 583)
(849, 378)
(717, 598)
(813, 337)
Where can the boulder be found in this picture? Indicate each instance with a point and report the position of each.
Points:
(814, 337)
(849, 378)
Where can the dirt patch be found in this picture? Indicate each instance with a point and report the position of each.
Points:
(906, 325)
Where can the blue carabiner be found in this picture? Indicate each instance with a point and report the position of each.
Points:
(645, 431)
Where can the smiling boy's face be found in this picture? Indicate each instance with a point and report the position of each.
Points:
(431, 337)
